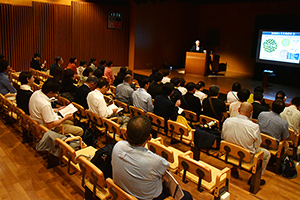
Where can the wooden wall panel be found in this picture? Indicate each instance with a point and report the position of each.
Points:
(62, 32)
(5, 29)
(44, 31)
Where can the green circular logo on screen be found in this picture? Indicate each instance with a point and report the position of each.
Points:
(270, 45)
(285, 42)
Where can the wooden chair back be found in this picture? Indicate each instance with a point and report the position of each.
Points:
(134, 111)
(94, 118)
(157, 121)
(203, 119)
(160, 149)
(36, 87)
(178, 129)
(116, 192)
(93, 173)
(122, 105)
(113, 89)
(112, 129)
(272, 145)
(293, 139)
(190, 116)
(63, 101)
(107, 99)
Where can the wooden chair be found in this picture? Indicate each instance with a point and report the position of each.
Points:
(158, 123)
(242, 158)
(95, 121)
(203, 119)
(92, 180)
(36, 87)
(63, 101)
(113, 89)
(116, 192)
(134, 111)
(276, 150)
(123, 105)
(80, 115)
(293, 141)
(191, 117)
(19, 115)
(68, 154)
(181, 133)
(254, 120)
(169, 153)
(108, 99)
(112, 130)
(32, 127)
(206, 176)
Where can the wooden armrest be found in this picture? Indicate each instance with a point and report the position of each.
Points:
(159, 139)
(75, 138)
(115, 119)
(188, 153)
(280, 147)
(258, 156)
(169, 198)
(226, 171)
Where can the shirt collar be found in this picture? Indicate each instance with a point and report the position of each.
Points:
(25, 87)
(242, 117)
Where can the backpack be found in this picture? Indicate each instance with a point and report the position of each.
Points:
(102, 160)
(90, 137)
(288, 168)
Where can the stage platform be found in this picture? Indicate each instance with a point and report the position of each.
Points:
(225, 82)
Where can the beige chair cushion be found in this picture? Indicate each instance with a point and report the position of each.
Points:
(101, 192)
(245, 165)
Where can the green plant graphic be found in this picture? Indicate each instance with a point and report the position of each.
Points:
(270, 45)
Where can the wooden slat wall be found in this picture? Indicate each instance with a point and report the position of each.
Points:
(51, 29)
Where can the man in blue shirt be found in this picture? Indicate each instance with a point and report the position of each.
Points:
(5, 84)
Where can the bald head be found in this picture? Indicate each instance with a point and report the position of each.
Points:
(246, 109)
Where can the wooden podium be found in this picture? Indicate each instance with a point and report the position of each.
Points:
(196, 63)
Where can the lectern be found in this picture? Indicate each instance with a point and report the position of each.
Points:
(196, 63)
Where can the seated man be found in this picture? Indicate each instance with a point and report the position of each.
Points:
(136, 169)
(97, 104)
(124, 90)
(141, 98)
(243, 95)
(292, 114)
(189, 101)
(24, 93)
(5, 84)
(213, 106)
(242, 131)
(257, 105)
(155, 88)
(272, 124)
(176, 94)
(82, 92)
(58, 62)
(40, 109)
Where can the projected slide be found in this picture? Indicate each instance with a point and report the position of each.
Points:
(280, 46)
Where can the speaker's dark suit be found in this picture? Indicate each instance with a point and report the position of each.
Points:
(81, 94)
(165, 108)
(193, 49)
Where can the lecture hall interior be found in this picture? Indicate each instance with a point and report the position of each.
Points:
(142, 34)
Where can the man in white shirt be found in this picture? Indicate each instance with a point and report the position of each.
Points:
(40, 109)
(242, 131)
(243, 96)
(141, 98)
(292, 114)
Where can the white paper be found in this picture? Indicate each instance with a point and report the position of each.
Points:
(68, 109)
(113, 106)
(180, 110)
(174, 187)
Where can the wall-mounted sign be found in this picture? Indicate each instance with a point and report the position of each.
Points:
(115, 20)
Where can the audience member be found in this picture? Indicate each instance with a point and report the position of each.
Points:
(243, 95)
(68, 88)
(97, 104)
(120, 76)
(189, 101)
(198, 93)
(102, 65)
(98, 73)
(124, 90)
(58, 62)
(214, 107)
(280, 95)
(5, 84)
(136, 169)
(232, 95)
(58, 74)
(155, 87)
(242, 131)
(176, 94)
(181, 87)
(109, 73)
(35, 62)
(24, 93)
(154, 71)
(166, 78)
(141, 98)
(272, 124)
(82, 66)
(257, 106)
(82, 92)
(292, 115)
(93, 63)
(261, 90)
(72, 64)
(40, 109)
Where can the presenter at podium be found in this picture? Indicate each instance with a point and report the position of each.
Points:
(197, 48)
